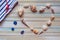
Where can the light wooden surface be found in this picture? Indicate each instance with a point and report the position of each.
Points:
(35, 20)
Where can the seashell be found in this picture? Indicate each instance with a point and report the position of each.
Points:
(48, 6)
(35, 31)
(52, 18)
(33, 8)
(41, 11)
(21, 12)
(26, 6)
(49, 23)
(44, 27)
(41, 32)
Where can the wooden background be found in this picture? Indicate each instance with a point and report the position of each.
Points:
(35, 20)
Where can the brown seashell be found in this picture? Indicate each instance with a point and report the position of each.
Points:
(34, 31)
(33, 8)
(52, 18)
(49, 24)
(41, 11)
(21, 13)
(26, 6)
(41, 32)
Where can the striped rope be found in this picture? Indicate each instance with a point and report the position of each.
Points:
(5, 7)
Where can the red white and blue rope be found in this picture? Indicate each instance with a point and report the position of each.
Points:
(5, 7)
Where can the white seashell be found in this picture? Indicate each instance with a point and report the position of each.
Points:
(44, 27)
(48, 5)
(49, 23)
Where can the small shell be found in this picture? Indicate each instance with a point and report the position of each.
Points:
(41, 32)
(41, 11)
(44, 27)
(35, 31)
(52, 18)
(21, 12)
(49, 23)
(33, 8)
(48, 6)
(26, 6)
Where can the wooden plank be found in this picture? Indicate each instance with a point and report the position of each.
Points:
(32, 20)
